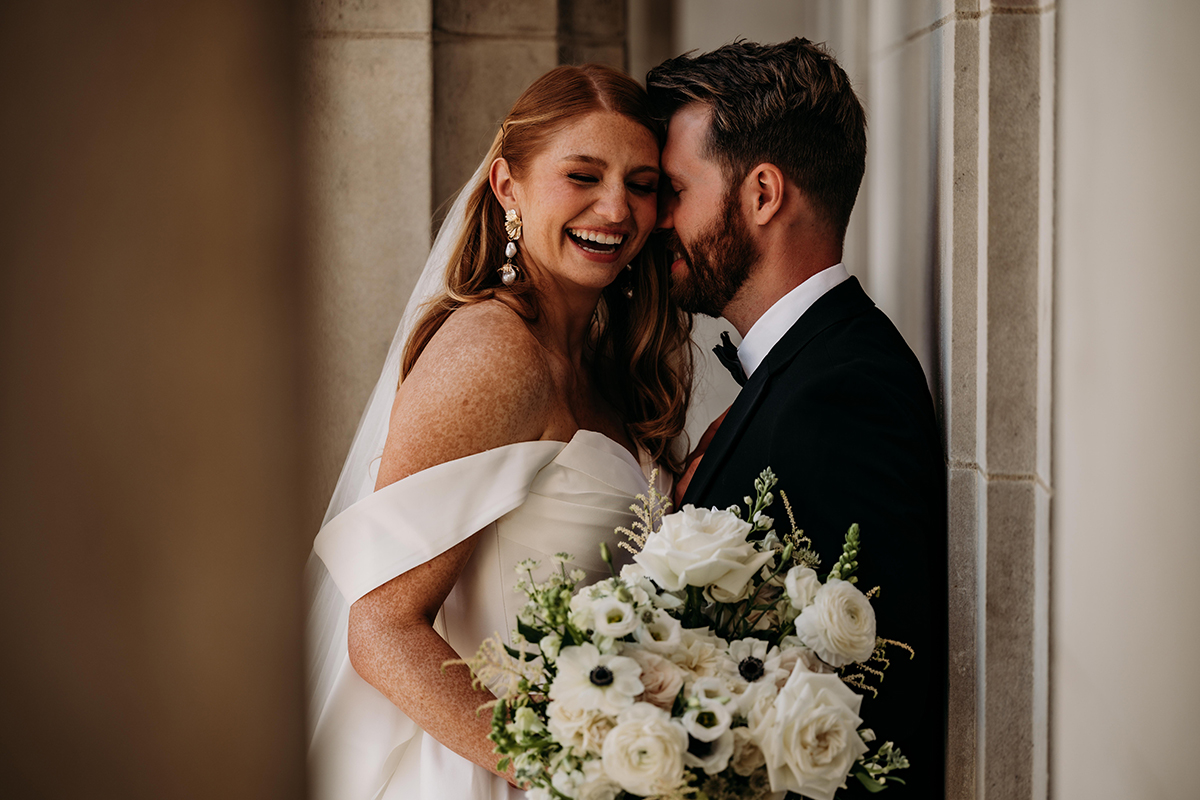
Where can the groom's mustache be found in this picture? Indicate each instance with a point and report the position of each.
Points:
(674, 246)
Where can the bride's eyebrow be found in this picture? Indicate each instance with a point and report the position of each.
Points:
(600, 162)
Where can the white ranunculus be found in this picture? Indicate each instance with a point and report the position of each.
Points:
(661, 677)
(588, 678)
(801, 584)
(581, 728)
(839, 626)
(644, 752)
(663, 634)
(809, 735)
(699, 547)
(614, 618)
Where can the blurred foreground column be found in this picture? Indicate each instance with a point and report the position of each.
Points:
(149, 576)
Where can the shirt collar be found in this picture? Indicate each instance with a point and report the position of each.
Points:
(766, 332)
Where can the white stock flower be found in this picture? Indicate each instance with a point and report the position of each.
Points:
(589, 679)
(581, 728)
(839, 626)
(801, 584)
(635, 575)
(809, 735)
(550, 644)
(644, 752)
(567, 781)
(611, 617)
(660, 677)
(699, 547)
(663, 634)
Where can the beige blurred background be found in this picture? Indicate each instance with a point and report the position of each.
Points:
(212, 215)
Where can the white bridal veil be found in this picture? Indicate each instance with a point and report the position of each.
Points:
(328, 609)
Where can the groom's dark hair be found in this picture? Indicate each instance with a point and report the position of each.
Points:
(787, 104)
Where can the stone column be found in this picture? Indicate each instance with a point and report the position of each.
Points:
(961, 209)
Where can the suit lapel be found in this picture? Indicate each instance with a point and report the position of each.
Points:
(843, 301)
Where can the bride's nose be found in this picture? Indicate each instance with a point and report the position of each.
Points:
(613, 204)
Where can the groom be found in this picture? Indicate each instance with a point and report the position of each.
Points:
(765, 152)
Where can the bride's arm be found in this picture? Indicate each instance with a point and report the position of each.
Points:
(481, 383)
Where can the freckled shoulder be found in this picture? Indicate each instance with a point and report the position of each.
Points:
(482, 382)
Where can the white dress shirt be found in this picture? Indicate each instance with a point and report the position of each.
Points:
(779, 318)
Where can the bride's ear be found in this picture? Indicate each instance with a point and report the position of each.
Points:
(502, 183)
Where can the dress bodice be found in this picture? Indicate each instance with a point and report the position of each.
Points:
(526, 500)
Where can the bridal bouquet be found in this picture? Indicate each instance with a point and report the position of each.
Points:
(718, 665)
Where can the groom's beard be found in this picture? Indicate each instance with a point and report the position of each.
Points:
(718, 262)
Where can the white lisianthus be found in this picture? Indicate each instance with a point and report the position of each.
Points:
(589, 679)
(662, 634)
(644, 752)
(612, 617)
(699, 547)
(712, 757)
(635, 575)
(662, 678)
(801, 584)
(707, 721)
(839, 626)
(581, 728)
(809, 735)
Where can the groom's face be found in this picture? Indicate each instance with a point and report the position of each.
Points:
(709, 234)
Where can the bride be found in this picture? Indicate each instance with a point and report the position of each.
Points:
(542, 372)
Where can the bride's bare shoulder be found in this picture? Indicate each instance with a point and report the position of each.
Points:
(482, 382)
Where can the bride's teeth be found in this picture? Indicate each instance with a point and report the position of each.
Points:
(599, 238)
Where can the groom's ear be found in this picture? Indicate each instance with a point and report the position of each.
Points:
(502, 183)
(766, 186)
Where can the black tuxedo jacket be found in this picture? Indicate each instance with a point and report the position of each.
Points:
(841, 412)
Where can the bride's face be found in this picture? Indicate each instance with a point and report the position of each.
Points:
(588, 200)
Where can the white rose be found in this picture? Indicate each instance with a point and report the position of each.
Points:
(662, 679)
(644, 752)
(839, 626)
(614, 618)
(801, 584)
(581, 728)
(809, 735)
(699, 547)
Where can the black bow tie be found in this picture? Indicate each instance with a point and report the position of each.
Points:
(727, 355)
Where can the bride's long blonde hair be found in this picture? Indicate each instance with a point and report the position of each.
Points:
(641, 346)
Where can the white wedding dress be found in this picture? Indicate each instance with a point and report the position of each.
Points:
(529, 500)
